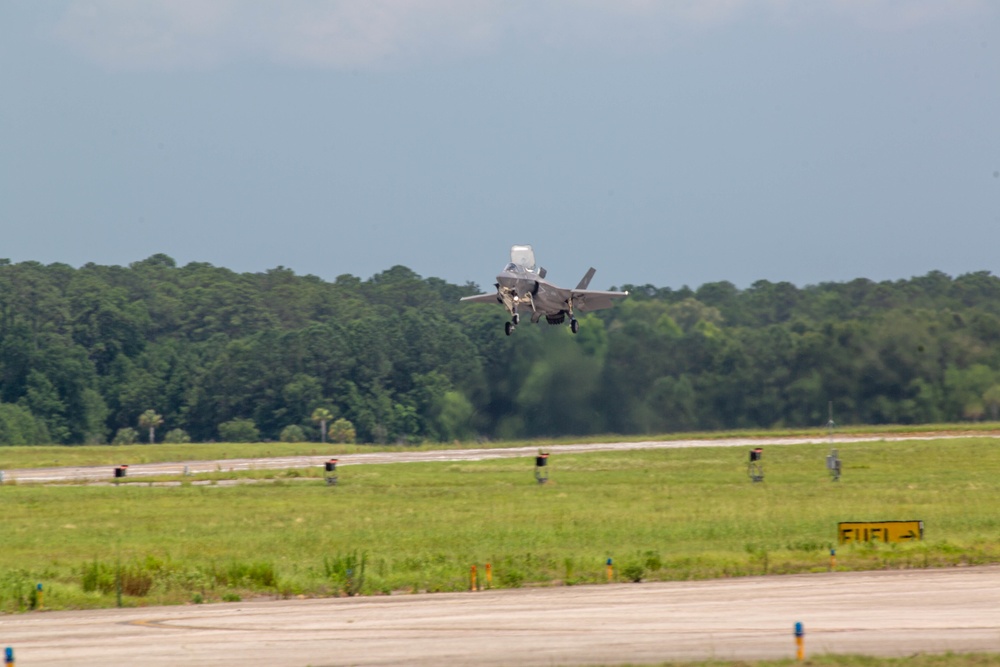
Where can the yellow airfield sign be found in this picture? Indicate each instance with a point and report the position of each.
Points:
(880, 531)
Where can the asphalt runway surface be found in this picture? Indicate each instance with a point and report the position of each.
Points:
(106, 473)
(890, 613)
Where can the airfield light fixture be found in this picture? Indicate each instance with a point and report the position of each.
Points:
(541, 469)
(331, 472)
(755, 468)
(833, 464)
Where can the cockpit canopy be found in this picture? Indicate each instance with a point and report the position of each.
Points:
(524, 256)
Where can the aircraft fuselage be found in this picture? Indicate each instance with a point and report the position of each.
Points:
(522, 288)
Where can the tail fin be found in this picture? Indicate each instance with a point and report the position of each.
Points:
(585, 281)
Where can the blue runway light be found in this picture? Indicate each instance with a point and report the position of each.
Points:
(800, 642)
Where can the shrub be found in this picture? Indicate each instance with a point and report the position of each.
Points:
(510, 578)
(177, 436)
(259, 574)
(292, 433)
(347, 571)
(342, 431)
(634, 572)
(134, 578)
(136, 581)
(16, 591)
(239, 430)
(97, 577)
(126, 436)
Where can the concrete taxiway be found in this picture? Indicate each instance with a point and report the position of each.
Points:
(892, 613)
(106, 473)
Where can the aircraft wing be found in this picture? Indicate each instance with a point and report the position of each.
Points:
(585, 300)
(482, 298)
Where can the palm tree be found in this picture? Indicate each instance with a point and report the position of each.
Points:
(149, 419)
(322, 415)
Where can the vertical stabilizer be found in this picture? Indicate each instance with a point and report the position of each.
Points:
(585, 281)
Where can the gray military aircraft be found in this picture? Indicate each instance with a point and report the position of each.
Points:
(522, 285)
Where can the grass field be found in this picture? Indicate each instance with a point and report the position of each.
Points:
(661, 515)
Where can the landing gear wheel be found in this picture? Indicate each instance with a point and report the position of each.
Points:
(574, 326)
(508, 328)
(516, 319)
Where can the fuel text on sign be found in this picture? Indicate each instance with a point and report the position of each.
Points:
(880, 531)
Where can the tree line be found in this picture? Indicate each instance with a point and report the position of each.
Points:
(213, 354)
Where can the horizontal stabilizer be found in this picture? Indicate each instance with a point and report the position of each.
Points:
(482, 298)
(585, 281)
(585, 300)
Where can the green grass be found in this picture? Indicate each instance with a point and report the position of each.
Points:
(660, 514)
(46, 456)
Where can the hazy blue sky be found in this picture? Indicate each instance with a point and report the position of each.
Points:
(664, 142)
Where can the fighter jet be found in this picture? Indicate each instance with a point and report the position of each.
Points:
(522, 286)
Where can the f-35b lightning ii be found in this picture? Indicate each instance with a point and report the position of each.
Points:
(522, 286)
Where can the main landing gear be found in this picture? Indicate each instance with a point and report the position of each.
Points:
(508, 327)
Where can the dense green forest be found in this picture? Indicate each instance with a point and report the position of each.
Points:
(85, 352)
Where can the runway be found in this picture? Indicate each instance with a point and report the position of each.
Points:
(106, 473)
(890, 613)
